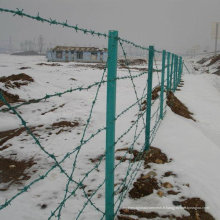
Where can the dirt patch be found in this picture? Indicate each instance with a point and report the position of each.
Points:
(142, 214)
(131, 62)
(203, 60)
(143, 187)
(49, 64)
(217, 73)
(214, 59)
(10, 98)
(169, 173)
(65, 125)
(196, 208)
(9, 134)
(155, 94)
(178, 107)
(14, 171)
(24, 68)
(95, 66)
(16, 81)
(53, 109)
(153, 155)
(96, 159)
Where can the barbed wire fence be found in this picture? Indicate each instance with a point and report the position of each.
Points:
(147, 121)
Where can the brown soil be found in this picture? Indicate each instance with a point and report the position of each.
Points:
(122, 66)
(65, 124)
(214, 59)
(10, 98)
(24, 68)
(95, 66)
(203, 60)
(53, 109)
(169, 173)
(16, 81)
(49, 64)
(155, 94)
(96, 159)
(143, 187)
(217, 72)
(132, 61)
(194, 206)
(178, 107)
(153, 155)
(142, 214)
(9, 134)
(13, 171)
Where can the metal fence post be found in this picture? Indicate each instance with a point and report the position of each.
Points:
(110, 124)
(180, 69)
(171, 72)
(168, 71)
(162, 83)
(149, 96)
(174, 74)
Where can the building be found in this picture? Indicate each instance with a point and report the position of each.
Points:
(77, 54)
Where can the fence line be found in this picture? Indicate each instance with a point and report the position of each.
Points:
(150, 117)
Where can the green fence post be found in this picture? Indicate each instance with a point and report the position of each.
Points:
(180, 69)
(149, 96)
(110, 124)
(174, 74)
(171, 72)
(162, 83)
(168, 71)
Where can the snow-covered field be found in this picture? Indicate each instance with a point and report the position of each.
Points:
(193, 146)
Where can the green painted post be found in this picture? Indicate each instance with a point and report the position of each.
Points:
(168, 71)
(149, 96)
(110, 124)
(176, 71)
(162, 83)
(174, 74)
(180, 69)
(171, 73)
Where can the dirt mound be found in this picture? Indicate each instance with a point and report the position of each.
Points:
(195, 207)
(124, 62)
(9, 134)
(13, 171)
(143, 187)
(178, 107)
(155, 94)
(49, 64)
(10, 98)
(16, 81)
(214, 59)
(65, 125)
(153, 155)
(202, 61)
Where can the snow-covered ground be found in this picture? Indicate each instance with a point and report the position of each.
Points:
(193, 146)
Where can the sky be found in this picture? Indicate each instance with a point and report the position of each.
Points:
(174, 25)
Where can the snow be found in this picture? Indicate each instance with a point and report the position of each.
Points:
(193, 146)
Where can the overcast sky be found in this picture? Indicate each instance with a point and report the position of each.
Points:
(175, 25)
